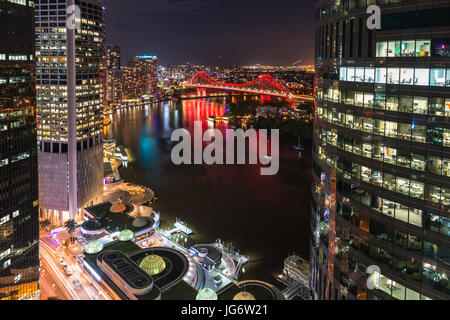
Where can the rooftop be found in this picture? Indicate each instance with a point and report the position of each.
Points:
(113, 222)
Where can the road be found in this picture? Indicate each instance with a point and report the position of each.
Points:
(55, 282)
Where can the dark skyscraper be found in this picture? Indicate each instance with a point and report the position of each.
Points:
(381, 200)
(19, 225)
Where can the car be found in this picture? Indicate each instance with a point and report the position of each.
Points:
(77, 283)
(68, 271)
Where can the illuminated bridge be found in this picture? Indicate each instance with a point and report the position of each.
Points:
(265, 86)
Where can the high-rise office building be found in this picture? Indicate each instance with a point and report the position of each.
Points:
(140, 77)
(54, 92)
(381, 218)
(19, 216)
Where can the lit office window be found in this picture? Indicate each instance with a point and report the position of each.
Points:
(420, 105)
(394, 48)
(393, 76)
(380, 76)
(369, 76)
(406, 76)
(350, 74)
(422, 77)
(408, 48)
(437, 77)
(359, 74)
(382, 49)
(343, 74)
(423, 48)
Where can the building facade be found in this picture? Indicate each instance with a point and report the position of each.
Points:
(19, 216)
(53, 91)
(381, 218)
(113, 75)
(140, 77)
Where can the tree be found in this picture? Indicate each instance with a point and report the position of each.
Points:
(71, 226)
(45, 223)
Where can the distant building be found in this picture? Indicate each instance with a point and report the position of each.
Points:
(112, 56)
(19, 216)
(140, 77)
(113, 76)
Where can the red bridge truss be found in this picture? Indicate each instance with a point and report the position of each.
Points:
(265, 85)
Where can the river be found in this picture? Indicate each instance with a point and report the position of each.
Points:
(265, 217)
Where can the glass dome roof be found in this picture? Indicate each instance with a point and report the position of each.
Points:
(126, 235)
(140, 222)
(206, 294)
(153, 264)
(244, 295)
(93, 247)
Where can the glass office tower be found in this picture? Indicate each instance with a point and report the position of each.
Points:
(381, 218)
(53, 121)
(19, 224)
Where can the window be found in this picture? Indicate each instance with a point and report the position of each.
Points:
(403, 185)
(382, 48)
(368, 100)
(380, 76)
(446, 137)
(406, 76)
(369, 75)
(380, 101)
(359, 74)
(343, 74)
(404, 131)
(359, 99)
(420, 105)
(394, 49)
(392, 103)
(390, 154)
(350, 74)
(405, 104)
(436, 106)
(393, 76)
(419, 132)
(422, 77)
(4, 219)
(423, 48)
(391, 129)
(408, 48)
(437, 77)
(440, 47)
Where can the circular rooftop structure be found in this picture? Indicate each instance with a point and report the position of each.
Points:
(92, 225)
(244, 295)
(153, 264)
(126, 235)
(140, 222)
(93, 247)
(206, 294)
(118, 208)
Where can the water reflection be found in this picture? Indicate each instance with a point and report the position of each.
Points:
(266, 217)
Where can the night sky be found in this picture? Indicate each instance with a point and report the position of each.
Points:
(213, 32)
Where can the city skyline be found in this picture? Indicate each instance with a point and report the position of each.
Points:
(222, 150)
